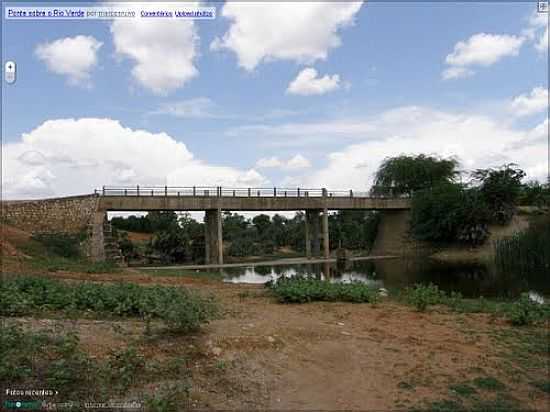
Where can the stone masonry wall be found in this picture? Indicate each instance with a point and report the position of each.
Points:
(59, 215)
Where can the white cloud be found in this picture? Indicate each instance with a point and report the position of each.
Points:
(269, 162)
(73, 156)
(481, 49)
(308, 83)
(164, 53)
(478, 141)
(527, 104)
(297, 31)
(298, 162)
(537, 31)
(73, 57)
(196, 108)
(294, 163)
(456, 73)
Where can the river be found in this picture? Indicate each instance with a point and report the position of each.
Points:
(470, 279)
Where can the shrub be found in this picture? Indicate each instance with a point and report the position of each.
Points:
(302, 289)
(525, 312)
(61, 244)
(179, 308)
(449, 212)
(421, 296)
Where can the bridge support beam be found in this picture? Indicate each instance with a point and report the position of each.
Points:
(313, 223)
(213, 237)
(326, 241)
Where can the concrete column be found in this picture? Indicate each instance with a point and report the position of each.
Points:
(326, 243)
(313, 223)
(213, 237)
(308, 240)
(96, 251)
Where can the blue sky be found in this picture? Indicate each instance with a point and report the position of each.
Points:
(212, 102)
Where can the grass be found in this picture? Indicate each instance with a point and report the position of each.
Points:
(199, 274)
(488, 383)
(302, 289)
(180, 309)
(56, 361)
(463, 389)
(522, 311)
(54, 255)
(525, 253)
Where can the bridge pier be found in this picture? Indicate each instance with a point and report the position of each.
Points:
(326, 242)
(313, 224)
(213, 237)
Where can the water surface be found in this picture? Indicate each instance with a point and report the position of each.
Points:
(470, 279)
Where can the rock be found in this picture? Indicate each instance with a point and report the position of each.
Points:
(216, 351)
(271, 339)
(340, 323)
(345, 333)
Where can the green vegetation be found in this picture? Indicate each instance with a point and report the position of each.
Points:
(407, 174)
(535, 194)
(522, 311)
(448, 212)
(463, 389)
(444, 210)
(421, 296)
(525, 312)
(61, 244)
(500, 189)
(488, 383)
(302, 289)
(39, 358)
(353, 229)
(43, 358)
(526, 253)
(180, 309)
(56, 252)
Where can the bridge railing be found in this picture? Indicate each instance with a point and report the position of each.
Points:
(219, 191)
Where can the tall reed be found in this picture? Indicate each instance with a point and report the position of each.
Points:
(526, 253)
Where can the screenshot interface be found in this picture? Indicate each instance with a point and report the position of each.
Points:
(274, 205)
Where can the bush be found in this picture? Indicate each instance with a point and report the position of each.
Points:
(61, 244)
(41, 357)
(421, 296)
(525, 312)
(449, 213)
(302, 289)
(178, 308)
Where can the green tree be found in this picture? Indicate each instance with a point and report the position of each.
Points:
(406, 174)
(501, 188)
(449, 212)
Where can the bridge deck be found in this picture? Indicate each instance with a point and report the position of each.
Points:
(249, 199)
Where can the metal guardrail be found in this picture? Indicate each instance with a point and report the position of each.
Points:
(219, 191)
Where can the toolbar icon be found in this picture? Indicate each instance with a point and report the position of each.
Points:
(10, 70)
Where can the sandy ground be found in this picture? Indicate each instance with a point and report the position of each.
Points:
(324, 356)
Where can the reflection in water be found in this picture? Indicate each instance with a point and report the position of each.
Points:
(471, 279)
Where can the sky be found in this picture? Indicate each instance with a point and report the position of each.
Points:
(289, 94)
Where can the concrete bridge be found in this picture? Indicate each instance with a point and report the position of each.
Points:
(88, 213)
(213, 200)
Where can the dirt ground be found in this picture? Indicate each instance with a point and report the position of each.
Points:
(322, 356)
(318, 356)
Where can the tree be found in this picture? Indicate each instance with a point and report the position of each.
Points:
(501, 188)
(450, 212)
(262, 223)
(405, 174)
